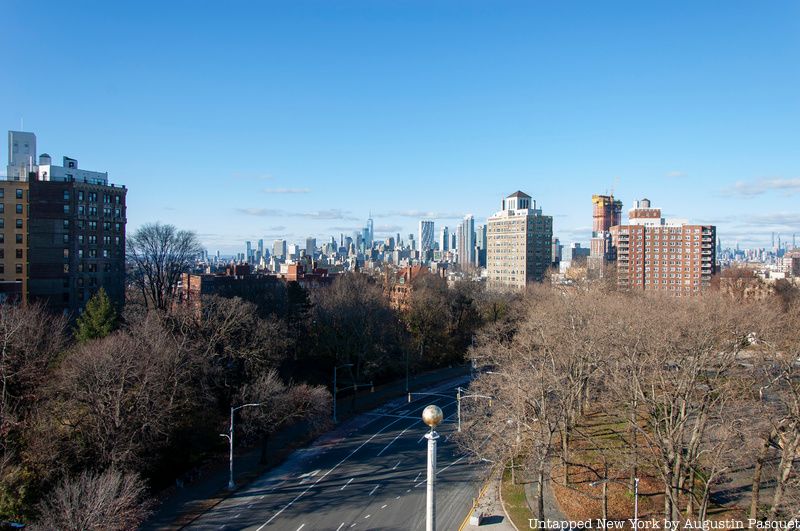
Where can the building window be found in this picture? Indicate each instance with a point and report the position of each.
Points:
(66, 254)
(66, 238)
(93, 197)
(19, 208)
(92, 268)
(19, 193)
(19, 254)
(2, 193)
(92, 225)
(2, 269)
(66, 268)
(92, 239)
(105, 253)
(66, 223)
(107, 212)
(66, 195)
(92, 253)
(18, 238)
(2, 208)
(116, 199)
(66, 209)
(80, 195)
(2, 238)
(117, 213)
(2, 253)
(80, 239)
(80, 253)
(2, 223)
(18, 269)
(81, 210)
(19, 223)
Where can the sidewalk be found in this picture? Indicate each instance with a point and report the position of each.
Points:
(181, 504)
(490, 506)
(552, 511)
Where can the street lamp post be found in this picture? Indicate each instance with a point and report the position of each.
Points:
(604, 482)
(432, 416)
(229, 436)
(460, 396)
(334, 387)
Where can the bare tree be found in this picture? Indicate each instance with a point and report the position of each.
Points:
(282, 404)
(158, 255)
(107, 501)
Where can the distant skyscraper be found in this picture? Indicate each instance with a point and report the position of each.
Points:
(655, 254)
(444, 239)
(370, 235)
(606, 214)
(480, 246)
(279, 249)
(466, 241)
(519, 243)
(311, 246)
(248, 251)
(426, 231)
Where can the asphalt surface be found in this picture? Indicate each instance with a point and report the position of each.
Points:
(372, 477)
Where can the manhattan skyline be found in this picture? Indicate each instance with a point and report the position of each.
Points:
(299, 120)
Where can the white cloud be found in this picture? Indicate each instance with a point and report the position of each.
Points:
(675, 174)
(753, 188)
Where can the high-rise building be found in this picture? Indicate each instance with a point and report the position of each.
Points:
(444, 239)
(279, 249)
(248, 252)
(519, 243)
(607, 213)
(370, 235)
(465, 245)
(426, 232)
(655, 254)
(62, 230)
(480, 246)
(311, 246)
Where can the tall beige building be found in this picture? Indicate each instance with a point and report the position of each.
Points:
(518, 243)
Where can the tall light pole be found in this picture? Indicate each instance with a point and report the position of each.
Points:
(229, 436)
(334, 386)
(432, 416)
(635, 502)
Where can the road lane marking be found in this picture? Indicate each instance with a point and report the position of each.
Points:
(367, 516)
(441, 470)
(301, 527)
(323, 476)
(397, 498)
(374, 489)
(397, 465)
(238, 515)
(384, 506)
(340, 526)
(346, 484)
(417, 478)
(393, 440)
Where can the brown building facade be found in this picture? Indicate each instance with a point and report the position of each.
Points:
(62, 241)
(671, 257)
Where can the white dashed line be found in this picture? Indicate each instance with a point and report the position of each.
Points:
(346, 484)
(301, 527)
(374, 489)
(238, 515)
(393, 440)
(417, 478)
(367, 516)
(397, 465)
(323, 476)
(340, 526)
(384, 506)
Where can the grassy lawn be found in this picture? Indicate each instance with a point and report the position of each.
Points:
(515, 503)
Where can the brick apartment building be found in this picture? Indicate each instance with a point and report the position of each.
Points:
(62, 230)
(670, 256)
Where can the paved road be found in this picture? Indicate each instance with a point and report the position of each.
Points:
(372, 478)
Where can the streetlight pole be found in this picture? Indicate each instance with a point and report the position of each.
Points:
(432, 416)
(334, 386)
(229, 436)
(635, 502)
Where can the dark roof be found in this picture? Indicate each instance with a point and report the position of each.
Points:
(518, 194)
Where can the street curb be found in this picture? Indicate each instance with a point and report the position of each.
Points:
(474, 504)
(503, 504)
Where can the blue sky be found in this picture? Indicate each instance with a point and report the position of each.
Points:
(247, 120)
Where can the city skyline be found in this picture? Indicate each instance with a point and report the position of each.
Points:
(691, 106)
